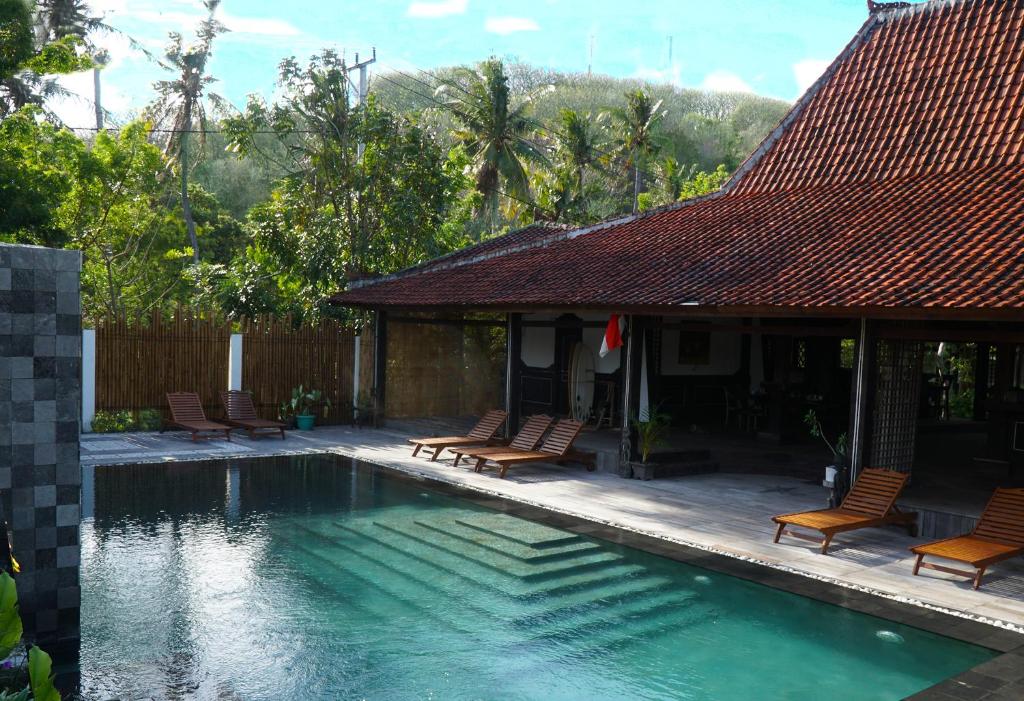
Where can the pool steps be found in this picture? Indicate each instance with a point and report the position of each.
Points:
(568, 589)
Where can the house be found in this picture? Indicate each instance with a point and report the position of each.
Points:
(884, 215)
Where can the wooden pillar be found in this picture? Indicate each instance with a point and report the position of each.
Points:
(380, 358)
(981, 366)
(631, 366)
(861, 396)
(513, 362)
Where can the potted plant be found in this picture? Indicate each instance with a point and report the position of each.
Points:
(835, 474)
(650, 433)
(300, 407)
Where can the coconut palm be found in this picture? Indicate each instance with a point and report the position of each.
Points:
(637, 141)
(180, 107)
(498, 135)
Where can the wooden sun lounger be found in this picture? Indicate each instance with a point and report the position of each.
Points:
(870, 503)
(554, 449)
(528, 438)
(187, 414)
(998, 536)
(240, 411)
(481, 435)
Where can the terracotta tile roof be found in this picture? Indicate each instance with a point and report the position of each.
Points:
(898, 182)
(932, 88)
(929, 241)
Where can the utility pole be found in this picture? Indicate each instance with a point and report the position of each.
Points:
(670, 52)
(99, 61)
(362, 67)
(590, 62)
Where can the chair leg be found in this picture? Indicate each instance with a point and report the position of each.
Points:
(458, 457)
(778, 532)
(479, 467)
(415, 451)
(825, 543)
(917, 563)
(978, 576)
(436, 453)
(504, 471)
(282, 433)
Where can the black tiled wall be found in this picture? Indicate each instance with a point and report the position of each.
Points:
(40, 405)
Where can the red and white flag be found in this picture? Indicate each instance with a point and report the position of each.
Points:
(613, 334)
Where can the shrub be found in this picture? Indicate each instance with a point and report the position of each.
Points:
(148, 420)
(113, 421)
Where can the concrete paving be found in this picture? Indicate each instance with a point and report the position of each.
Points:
(727, 513)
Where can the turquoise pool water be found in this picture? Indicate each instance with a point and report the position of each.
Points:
(314, 578)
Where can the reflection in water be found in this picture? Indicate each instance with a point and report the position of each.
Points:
(316, 578)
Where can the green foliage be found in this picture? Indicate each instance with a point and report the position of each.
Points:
(497, 132)
(16, 46)
(340, 214)
(10, 621)
(302, 402)
(651, 430)
(41, 676)
(838, 449)
(113, 421)
(148, 420)
(39, 663)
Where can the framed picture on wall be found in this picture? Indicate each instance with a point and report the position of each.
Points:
(694, 348)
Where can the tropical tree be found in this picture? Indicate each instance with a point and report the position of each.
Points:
(637, 140)
(496, 131)
(30, 55)
(180, 107)
(339, 214)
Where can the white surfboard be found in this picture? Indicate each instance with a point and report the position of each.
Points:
(581, 383)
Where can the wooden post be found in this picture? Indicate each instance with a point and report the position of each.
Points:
(631, 365)
(513, 384)
(860, 414)
(981, 366)
(380, 357)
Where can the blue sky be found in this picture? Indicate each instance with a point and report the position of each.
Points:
(771, 47)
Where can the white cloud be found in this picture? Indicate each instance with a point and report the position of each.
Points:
(442, 8)
(510, 25)
(808, 71)
(725, 81)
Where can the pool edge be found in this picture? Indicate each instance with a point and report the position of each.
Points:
(998, 679)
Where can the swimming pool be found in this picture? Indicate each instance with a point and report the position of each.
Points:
(317, 578)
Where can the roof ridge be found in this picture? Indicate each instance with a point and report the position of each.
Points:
(898, 10)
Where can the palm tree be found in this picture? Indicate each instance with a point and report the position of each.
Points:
(637, 141)
(497, 134)
(180, 103)
(579, 150)
(25, 32)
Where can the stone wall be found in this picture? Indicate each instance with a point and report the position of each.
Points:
(40, 404)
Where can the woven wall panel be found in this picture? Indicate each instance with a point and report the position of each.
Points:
(896, 405)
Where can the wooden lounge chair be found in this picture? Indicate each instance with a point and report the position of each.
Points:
(187, 413)
(554, 449)
(998, 536)
(528, 438)
(481, 435)
(870, 503)
(240, 411)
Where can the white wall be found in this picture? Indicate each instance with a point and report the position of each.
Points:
(726, 349)
(538, 349)
(538, 346)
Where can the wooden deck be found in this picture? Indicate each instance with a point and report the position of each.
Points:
(729, 513)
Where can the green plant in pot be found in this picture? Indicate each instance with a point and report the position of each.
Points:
(835, 474)
(300, 407)
(650, 428)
